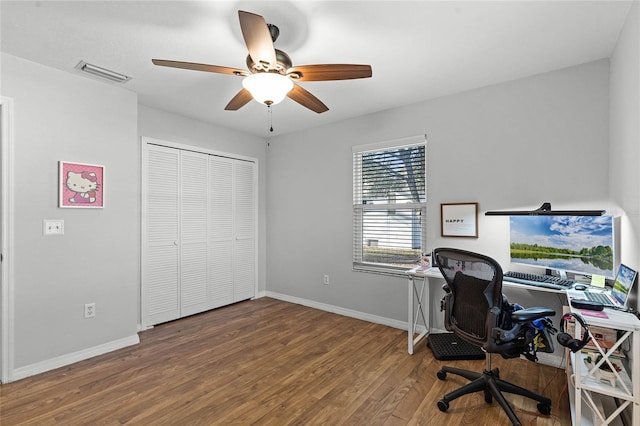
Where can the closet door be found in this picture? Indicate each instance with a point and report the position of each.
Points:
(194, 182)
(199, 232)
(221, 231)
(244, 253)
(160, 267)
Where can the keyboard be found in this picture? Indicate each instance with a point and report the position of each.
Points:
(597, 297)
(535, 280)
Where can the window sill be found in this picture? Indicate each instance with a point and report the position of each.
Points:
(381, 270)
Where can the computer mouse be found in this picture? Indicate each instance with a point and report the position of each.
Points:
(580, 287)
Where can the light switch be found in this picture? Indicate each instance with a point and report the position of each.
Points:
(53, 227)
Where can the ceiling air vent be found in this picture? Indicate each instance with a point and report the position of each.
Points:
(100, 72)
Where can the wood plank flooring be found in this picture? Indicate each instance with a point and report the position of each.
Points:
(270, 362)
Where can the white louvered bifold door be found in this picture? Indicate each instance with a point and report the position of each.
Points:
(221, 231)
(244, 253)
(199, 232)
(161, 291)
(194, 181)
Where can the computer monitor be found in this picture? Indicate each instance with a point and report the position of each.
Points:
(579, 244)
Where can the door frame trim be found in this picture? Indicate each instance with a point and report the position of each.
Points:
(7, 243)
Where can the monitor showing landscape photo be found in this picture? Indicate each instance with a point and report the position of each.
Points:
(579, 244)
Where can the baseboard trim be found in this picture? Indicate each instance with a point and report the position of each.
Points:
(402, 325)
(551, 360)
(61, 361)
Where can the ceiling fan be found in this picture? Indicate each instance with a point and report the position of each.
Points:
(271, 76)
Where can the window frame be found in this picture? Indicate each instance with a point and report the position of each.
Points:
(359, 208)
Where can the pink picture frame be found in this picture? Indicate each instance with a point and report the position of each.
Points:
(81, 185)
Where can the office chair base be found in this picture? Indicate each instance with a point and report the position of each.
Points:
(490, 383)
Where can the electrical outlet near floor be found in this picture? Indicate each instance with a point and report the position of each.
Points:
(89, 310)
(326, 280)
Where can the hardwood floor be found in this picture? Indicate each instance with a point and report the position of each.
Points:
(270, 362)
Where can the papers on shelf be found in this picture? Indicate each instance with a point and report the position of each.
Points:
(596, 314)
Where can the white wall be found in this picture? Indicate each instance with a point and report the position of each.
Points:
(624, 161)
(61, 116)
(169, 127)
(512, 145)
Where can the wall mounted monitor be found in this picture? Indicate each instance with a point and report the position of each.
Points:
(579, 244)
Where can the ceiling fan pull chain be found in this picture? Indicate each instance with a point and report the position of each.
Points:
(270, 117)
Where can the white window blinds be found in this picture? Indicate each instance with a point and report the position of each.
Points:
(389, 204)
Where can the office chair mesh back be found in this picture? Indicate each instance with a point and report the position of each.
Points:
(475, 285)
(470, 305)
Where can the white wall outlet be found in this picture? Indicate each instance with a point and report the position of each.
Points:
(89, 310)
(326, 280)
(53, 227)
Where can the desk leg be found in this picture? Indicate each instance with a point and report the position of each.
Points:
(415, 313)
(410, 313)
(635, 376)
(578, 399)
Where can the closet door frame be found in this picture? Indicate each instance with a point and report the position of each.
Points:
(144, 143)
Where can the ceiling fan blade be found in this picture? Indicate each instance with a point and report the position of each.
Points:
(239, 100)
(306, 99)
(325, 72)
(257, 38)
(200, 67)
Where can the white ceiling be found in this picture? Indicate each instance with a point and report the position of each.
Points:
(418, 49)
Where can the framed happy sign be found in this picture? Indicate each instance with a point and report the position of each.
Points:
(459, 220)
(81, 185)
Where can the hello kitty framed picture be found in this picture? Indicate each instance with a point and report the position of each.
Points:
(81, 185)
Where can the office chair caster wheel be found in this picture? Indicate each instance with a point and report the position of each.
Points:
(544, 409)
(442, 375)
(443, 405)
(488, 398)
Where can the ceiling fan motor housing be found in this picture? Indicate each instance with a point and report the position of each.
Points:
(274, 31)
(282, 65)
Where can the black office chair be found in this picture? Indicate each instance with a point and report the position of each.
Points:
(478, 312)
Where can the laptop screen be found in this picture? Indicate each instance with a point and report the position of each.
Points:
(623, 283)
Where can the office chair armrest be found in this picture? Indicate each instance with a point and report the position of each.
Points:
(531, 314)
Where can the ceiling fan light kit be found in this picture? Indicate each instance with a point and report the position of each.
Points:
(268, 88)
(271, 72)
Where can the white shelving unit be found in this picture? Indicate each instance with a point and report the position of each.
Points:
(596, 400)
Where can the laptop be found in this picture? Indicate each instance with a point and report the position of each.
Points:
(618, 297)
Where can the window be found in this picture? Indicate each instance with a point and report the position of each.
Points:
(389, 205)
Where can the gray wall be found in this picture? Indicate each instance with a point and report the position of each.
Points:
(60, 116)
(512, 145)
(624, 138)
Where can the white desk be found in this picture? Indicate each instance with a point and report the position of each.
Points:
(585, 390)
(419, 303)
